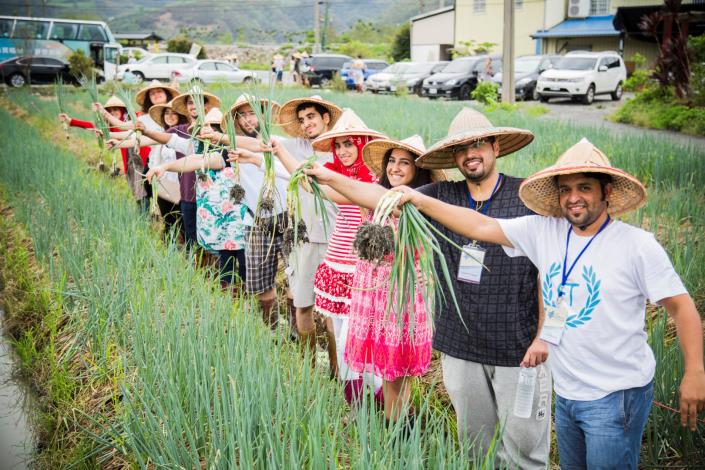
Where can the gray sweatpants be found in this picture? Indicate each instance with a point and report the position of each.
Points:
(483, 396)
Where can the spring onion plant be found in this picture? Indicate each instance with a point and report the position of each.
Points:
(126, 98)
(60, 102)
(237, 192)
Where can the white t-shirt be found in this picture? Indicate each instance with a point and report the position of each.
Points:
(603, 348)
(301, 149)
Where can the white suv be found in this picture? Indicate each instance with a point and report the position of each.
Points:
(157, 66)
(582, 75)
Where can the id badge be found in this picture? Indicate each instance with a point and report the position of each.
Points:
(471, 260)
(554, 323)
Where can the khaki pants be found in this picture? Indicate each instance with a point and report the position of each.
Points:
(483, 396)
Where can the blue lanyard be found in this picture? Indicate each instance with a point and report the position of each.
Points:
(485, 207)
(566, 275)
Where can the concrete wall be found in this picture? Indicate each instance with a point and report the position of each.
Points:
(488, 26)
(436, 29)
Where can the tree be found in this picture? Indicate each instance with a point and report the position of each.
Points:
(401, 47)
(182, 43)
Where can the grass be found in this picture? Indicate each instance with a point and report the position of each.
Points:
(89, 253)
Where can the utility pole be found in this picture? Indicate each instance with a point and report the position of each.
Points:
(324, 33)
(317, 27)
(508, 95)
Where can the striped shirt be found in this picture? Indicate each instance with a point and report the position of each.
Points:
(340, 251)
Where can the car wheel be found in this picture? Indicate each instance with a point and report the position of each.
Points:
(589, 96)
(617, 93)
(17, 80)
(247, 80)
(542, 98)
(534, 94)
(464, 92)
(139, 77)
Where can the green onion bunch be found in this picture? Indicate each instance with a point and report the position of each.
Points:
(416, 251)
(375, 240)
(199, 103)
(264, 111)
(60, 102)
(89, 84)
(237, 192)
(126, 98)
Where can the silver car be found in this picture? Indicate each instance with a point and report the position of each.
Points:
(210, 71)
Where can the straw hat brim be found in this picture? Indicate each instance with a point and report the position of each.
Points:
(276, 109)
(179, 103)
(440, 155)
(539, 192)
(289, 121)
(156, 112)
(324, 141)
(142, 94)
(114, 102)
(374, 151)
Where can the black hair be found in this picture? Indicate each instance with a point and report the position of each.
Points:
(422, 176)
(148, 101)
(310, 104)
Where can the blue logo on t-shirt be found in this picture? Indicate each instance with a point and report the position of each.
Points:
(549, 290)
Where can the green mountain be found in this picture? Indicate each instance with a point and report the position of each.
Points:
(255, 21)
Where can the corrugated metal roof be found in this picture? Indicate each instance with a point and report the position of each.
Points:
(591, 26)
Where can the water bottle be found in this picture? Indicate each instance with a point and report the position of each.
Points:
(524, 399)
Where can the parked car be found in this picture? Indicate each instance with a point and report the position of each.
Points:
(526, 72)
(321, 68)
(158, 66)
(209, 71)
(20, 71)
(460, 77)
(583, 75)
(373, 67)
(409, 75)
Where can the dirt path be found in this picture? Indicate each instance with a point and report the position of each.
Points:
(595, 115)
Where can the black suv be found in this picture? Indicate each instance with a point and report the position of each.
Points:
(322, 67)
(459, 78)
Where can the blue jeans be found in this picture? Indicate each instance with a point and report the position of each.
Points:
(605, 433)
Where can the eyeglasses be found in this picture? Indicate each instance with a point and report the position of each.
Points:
(476, 144)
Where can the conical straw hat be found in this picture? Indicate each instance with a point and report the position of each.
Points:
(171, 92)
(243, 100)
(374, 152)
(214, 116)
(156, 112)
(114, 102)
(540, 190)
(468, 126)
(289, 121)
(349, 123)
(179, 103)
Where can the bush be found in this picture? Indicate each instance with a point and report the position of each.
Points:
(657, 108)
(338, 84)
(80, 65)
(182, 44)
(638, 81)
(485, 93)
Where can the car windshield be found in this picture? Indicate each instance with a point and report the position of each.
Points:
(399, 67)
(523, 66)
(459, 66)
(576, 63)
(420, 68)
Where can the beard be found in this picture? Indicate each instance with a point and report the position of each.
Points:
(478, 175)
(585, 219)
(254, 133)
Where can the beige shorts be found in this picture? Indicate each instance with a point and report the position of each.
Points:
(303, 263)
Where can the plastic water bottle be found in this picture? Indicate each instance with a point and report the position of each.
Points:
(524, 399)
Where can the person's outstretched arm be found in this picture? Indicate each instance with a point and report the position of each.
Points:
(188, 164)
(461, 220)
(347, 190)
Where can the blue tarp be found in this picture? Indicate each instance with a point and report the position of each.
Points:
(580, 27)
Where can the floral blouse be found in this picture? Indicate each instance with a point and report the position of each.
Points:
(220, 224)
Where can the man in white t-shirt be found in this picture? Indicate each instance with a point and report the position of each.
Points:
(597, 274)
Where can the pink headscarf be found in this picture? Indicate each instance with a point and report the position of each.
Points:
(358, 170)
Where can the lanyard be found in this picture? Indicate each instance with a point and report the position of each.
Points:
(486, 206)
(566, 275)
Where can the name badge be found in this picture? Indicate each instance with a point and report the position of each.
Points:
(554, 323)
(472, 259)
